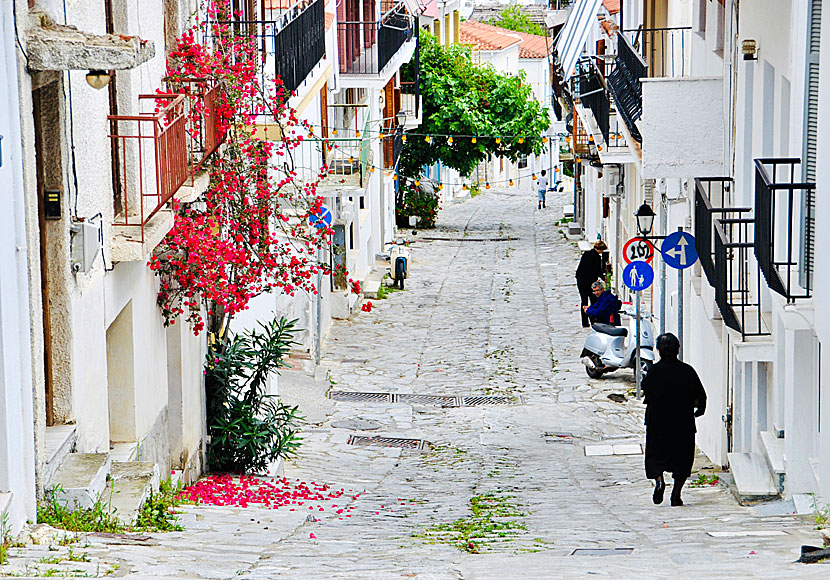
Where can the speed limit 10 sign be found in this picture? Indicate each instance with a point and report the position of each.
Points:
(638, 249)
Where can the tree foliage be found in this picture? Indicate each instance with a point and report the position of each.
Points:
(512, 18)
(465, 100)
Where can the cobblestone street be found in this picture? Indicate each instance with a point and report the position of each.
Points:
(501, 491)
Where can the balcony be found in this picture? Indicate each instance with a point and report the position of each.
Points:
(592, 101)
(204, 130)
(291, 45)
(724, 240)
(624, 83)
(150, 153)
(366, 47)
(785, 227)
(344, 160)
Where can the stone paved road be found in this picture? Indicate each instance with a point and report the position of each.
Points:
(489, 310)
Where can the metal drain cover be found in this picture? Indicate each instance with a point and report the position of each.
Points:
(361, 397)
(363, 441)
(438, 400)
(602, 551)
(491, 400)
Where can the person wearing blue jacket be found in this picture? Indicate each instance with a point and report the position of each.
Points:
(607, 307)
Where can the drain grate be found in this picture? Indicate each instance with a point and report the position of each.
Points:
(558, 437)
(438, 400)
(499, 239)
(361, 397)
(491, 400)
(602, 551)
(364, 441)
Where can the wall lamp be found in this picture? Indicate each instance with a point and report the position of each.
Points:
(98, 79)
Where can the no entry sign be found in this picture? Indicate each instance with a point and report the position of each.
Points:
(638, 249)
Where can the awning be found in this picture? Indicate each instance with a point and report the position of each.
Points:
(573, 36)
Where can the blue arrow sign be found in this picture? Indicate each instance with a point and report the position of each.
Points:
(321, 219)
(638, 275)
(678, 250)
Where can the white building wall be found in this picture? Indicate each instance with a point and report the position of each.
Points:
(17, 425)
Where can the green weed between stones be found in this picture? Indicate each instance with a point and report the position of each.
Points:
(99, 518)
(5, 538)
(822, 514)
(157, 514)
(488, 523)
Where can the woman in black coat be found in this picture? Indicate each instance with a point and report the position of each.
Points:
(588, 271)
(674, 396)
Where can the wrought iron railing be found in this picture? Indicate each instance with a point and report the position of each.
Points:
(663, 49)
(783, 211)
(367, 47)
(290, 46)
(152, 154)
(204, 129)
(589, 88)
(411, 90)
(723, 240)
(393, 151)
(624, 83)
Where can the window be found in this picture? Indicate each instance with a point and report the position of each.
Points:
(523, 162)
(700, 23)
(720, 30)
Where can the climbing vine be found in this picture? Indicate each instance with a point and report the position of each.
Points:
(249, 232)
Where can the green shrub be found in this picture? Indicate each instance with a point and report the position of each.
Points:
(417, 203)
(249, 428)
(157, 513)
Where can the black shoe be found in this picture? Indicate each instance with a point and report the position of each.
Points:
(676, 501)
(543, 204)
(659, 488)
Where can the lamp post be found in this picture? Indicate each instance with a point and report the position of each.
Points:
(645, 221)
(400, 117)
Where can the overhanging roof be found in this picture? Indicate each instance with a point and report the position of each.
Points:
(573, 36)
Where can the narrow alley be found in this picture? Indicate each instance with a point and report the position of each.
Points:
(521, 486)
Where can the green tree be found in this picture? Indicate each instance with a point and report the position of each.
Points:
(462, 99)
(512, 18)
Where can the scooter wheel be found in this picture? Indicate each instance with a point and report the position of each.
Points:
(597, 372)
(400, 272)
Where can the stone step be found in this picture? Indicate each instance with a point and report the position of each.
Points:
(123, 452)
(774, 449)
(60, 441)
(753, 480)
(370, 288)
(130, 485)
(81, 478)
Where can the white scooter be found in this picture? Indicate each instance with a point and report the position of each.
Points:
(606, 348)
(399, 262)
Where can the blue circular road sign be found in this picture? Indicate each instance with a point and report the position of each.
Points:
(321, 219)
(678, 250)
(638, 275)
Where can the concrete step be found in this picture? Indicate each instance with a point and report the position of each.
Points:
(370, 288)
(130, 485)
(123, 452)
(60, 442)
(774, 449)
(81, 478)
(753, 480)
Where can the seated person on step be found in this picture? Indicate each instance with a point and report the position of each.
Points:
(607, 307)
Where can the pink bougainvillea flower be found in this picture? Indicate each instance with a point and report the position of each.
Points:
(312, 536)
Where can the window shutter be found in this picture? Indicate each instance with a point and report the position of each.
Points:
(807, 245)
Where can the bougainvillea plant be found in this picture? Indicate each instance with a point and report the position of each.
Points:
(249, 234)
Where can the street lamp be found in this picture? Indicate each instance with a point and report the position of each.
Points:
(400, 117)
(645, 219)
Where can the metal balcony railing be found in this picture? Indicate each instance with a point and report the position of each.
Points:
(343, 160)
(151, 150)
(724, 240)
(392, 147)
(290, 46)
(367, 47)
(663, 49)
(589, 88)
(785, 226)
(205, 131)
(625, 86)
